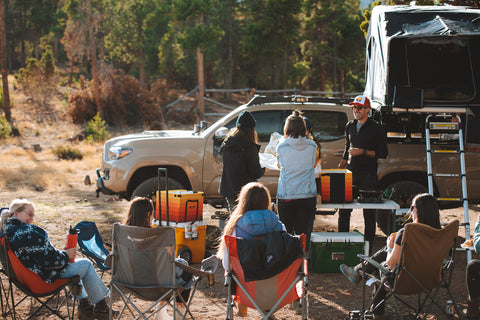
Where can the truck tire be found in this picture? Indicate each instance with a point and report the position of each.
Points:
(401, 192)
(148, 187)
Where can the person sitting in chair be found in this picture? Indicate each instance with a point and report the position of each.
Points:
(140, 214)
(251, 218)
(424, 209)
(31, 245)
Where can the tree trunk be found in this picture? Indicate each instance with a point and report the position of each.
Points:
(93, 59)
(3, 62)
(322, 67)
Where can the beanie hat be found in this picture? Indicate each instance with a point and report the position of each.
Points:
(245, 120)
(308, 124)
(361, 101)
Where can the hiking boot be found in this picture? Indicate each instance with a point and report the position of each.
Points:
(103, 307)
(84, 306)
(350, 273)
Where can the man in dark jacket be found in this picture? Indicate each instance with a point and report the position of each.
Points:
(366, 141)
(241, 163)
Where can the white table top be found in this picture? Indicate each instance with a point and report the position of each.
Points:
(386, 204)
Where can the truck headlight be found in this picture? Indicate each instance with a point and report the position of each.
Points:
(115, 153)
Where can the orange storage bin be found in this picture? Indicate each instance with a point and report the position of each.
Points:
(184, 206)
(336, 186)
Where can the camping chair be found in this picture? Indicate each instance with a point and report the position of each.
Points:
(425, 266)
(91, 244)
(262, 273)
(152, 276)
(31, 285)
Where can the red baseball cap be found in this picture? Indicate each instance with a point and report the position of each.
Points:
(362, 101)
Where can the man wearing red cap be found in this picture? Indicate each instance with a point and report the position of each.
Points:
(366, 141)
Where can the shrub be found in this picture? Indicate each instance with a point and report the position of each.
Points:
(124, 102)
(67, 153)
(5, 128)
(38, 78)
(95, 130)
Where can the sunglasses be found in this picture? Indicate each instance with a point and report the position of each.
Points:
(359, 107)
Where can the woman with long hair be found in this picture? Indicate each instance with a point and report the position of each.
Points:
(241, 163)
(424, 209)
(140, 214)
(297, 190)
(251, 218)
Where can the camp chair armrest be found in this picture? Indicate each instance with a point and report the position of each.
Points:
(374, 263)
(192, 270)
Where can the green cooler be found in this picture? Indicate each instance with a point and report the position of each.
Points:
(328, 250)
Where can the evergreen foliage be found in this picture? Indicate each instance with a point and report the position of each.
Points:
(96, 130)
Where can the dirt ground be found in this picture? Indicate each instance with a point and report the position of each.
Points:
(330, 296)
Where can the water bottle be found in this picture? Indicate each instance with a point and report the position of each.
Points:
(72, 237)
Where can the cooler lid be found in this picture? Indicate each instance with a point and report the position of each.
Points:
(336, 237)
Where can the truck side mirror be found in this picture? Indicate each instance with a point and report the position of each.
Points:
(220, 133)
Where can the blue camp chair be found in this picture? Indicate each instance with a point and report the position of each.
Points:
(91, 244)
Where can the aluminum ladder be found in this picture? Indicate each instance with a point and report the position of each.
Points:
(448, 124)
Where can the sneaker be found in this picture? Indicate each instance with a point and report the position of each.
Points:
(350, 273)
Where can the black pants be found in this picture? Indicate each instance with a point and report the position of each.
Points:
(361, 181)
(473, 279)
(377, 305)
(298, 216)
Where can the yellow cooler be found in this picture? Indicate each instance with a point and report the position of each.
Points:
(190, 239)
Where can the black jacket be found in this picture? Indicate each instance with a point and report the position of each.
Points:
(371, 136)
(264, 258)
(241, 165)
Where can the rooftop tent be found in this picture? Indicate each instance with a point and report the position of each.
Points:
(423, 56)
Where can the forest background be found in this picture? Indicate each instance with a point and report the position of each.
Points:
(121, 58)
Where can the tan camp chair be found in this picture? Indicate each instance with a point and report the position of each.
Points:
(143, 266)
(425, 266)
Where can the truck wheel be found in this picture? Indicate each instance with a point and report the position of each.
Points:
(148, 187)
(402, 193)
(186, 254)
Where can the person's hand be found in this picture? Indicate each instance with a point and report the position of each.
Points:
(342, 164)
(355, 152)
(391, 240)
(72, 252)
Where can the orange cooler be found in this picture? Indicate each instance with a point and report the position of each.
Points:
(336, 185)
(184, 206)
(196, 243)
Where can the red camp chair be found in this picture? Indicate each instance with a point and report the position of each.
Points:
(267, 295)
(33, 286)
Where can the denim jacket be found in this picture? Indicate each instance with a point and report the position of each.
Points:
(296, 158)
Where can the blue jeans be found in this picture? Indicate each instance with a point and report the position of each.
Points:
(92, 285)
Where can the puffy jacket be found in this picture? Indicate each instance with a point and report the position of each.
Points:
(241, 165)
(296, 158)
(257, 223)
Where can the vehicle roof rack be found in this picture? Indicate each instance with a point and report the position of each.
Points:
(258, 100)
